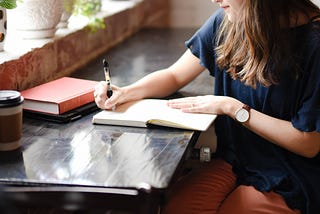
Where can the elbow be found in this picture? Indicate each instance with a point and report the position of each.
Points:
(310, 151)
(311, 144)
(310, 154)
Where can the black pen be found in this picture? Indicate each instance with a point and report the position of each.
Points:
(107, 76)
(106, 70)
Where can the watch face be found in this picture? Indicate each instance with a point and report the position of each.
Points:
(242, 115)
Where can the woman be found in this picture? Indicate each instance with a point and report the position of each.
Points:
(265, 57)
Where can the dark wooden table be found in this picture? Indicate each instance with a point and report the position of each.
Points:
(81, 166)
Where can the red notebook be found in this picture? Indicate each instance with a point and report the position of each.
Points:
(59, 96)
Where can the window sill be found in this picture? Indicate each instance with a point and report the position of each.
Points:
(28, 62)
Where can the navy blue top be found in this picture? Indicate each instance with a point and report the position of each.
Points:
(255, 160)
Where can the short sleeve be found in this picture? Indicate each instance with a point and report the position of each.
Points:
(307, 117)
(201, 43)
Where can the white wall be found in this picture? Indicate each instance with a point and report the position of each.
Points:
(190, 13)
(317, 2)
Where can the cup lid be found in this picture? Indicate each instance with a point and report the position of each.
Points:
(10, 98)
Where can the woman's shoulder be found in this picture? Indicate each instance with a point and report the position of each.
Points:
(308, 36)
(218, 14)
(216, 18)
(211, 25)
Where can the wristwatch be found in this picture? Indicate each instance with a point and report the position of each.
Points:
(242, 114)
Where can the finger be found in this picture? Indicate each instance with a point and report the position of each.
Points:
(110, 103)
(184, 104)
(191, 106)
(95, 95)
(192, 109)
(99, 85)
(100, 90)
(183, 100)
(100, 94)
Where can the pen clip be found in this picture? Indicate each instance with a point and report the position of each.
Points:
(106, 70)
(107, 77)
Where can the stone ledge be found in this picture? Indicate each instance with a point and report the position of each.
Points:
(69, 51)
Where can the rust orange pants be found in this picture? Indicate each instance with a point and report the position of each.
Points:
(212, 189)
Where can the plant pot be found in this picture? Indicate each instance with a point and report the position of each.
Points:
(3, 27)
(35, 19)
(66, 13)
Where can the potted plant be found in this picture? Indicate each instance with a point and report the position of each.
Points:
(35, 19)
(4, 5)
(86, 9)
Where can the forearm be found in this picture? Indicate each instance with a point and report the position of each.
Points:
(157, 84)
(281, 132)
(167, 81)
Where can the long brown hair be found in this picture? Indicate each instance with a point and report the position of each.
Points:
(255, 48)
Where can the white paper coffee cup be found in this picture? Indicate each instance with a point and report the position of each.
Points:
(10, 119)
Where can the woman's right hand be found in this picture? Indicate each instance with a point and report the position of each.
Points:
(104, 102)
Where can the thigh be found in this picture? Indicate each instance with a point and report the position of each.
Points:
(203, 190)
(247, 200)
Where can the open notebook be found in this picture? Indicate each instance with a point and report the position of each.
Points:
(153, 112)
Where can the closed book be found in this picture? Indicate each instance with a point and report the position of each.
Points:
(59, 96)
(146, 112)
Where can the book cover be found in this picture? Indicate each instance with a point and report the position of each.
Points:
(141, 113)
(59, 96)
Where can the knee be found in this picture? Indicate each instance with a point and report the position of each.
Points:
(246, 199)
(241, 200)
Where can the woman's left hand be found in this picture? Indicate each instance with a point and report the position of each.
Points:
(208, 104)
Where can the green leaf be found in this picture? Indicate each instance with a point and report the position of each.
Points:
(89, 9)
(8, 4)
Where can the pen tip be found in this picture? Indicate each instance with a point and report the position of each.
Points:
(105, 63)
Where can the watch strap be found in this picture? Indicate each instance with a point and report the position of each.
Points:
(246, 107)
